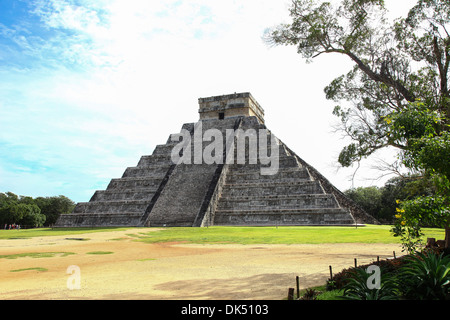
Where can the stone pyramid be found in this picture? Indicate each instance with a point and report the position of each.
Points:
(230, 185)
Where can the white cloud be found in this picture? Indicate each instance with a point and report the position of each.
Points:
(136, 69)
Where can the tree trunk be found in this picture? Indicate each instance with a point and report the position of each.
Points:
(447, 237)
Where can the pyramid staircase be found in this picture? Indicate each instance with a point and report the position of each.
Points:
(289, 197)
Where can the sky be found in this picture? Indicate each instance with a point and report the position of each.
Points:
(87, 87)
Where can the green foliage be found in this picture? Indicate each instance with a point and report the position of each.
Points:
(381, 202)
(310, 294)
(53, 207)
(39, 269)
(280, 235)
(36, 255)
(425, 132)
(100, 252)
(427, 136)
(357, 286)
(426, 276)
(26, 211)
(421, 276)
(413, 214)
(369, 198)
(239, 235)
(15, 211)
(44, 232)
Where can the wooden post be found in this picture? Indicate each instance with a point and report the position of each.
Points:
(331, 274)
(356, 264)
(298, 286)
(378, 259)
(291, 294)
(394, 254)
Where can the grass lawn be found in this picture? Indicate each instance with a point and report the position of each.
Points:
(241, 235)
(281, 235)
(36, 255)
(42, 232)
(323, 294)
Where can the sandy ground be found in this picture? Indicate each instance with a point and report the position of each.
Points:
(136, 270)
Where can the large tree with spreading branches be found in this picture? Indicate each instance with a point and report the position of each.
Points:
(397, 93)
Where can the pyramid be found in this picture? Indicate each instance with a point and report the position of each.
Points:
(226, 169)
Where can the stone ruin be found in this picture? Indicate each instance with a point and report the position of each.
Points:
(159, 191)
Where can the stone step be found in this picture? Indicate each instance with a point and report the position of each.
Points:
(328, 216)
(272, 188)
(134, 182)
(263, 211)
(247, 166)
(153, 172)
(283, 174)
(245, 142)
(164, 149)
(155, 160)
(117, 206)
(279, 202)
(124, 194)
(239, 169)
(267, 180)
(283, 162)
(99, 219)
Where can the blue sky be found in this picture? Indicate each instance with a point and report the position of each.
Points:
(89, 86)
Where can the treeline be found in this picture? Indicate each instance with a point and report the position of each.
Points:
(31, 212)
(381, 202)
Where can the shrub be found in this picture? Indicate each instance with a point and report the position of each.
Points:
(426, 276)
(357, 286)
(422, 276)
(391, 267)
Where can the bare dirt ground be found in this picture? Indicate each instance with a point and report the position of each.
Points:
(137, 270)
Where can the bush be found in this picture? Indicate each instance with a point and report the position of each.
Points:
(426, 276)
(422, 276)
(391, 267)
(358, 286)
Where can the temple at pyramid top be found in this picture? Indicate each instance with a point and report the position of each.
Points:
(230, 105)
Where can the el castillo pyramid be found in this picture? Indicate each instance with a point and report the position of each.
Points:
(211, 174)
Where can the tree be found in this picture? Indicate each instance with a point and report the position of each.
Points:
(428, 137)
(368, 198)
(381, 202)
(394, 63)
(53, 207)
(397, 91)
(9, 212)
(19, 210)
(31, 212)
(31, 215)
(402, 189)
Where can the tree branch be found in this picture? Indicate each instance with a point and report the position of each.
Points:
(441, 68)
(381, 78)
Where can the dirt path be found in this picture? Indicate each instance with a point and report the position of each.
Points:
(136, 270)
